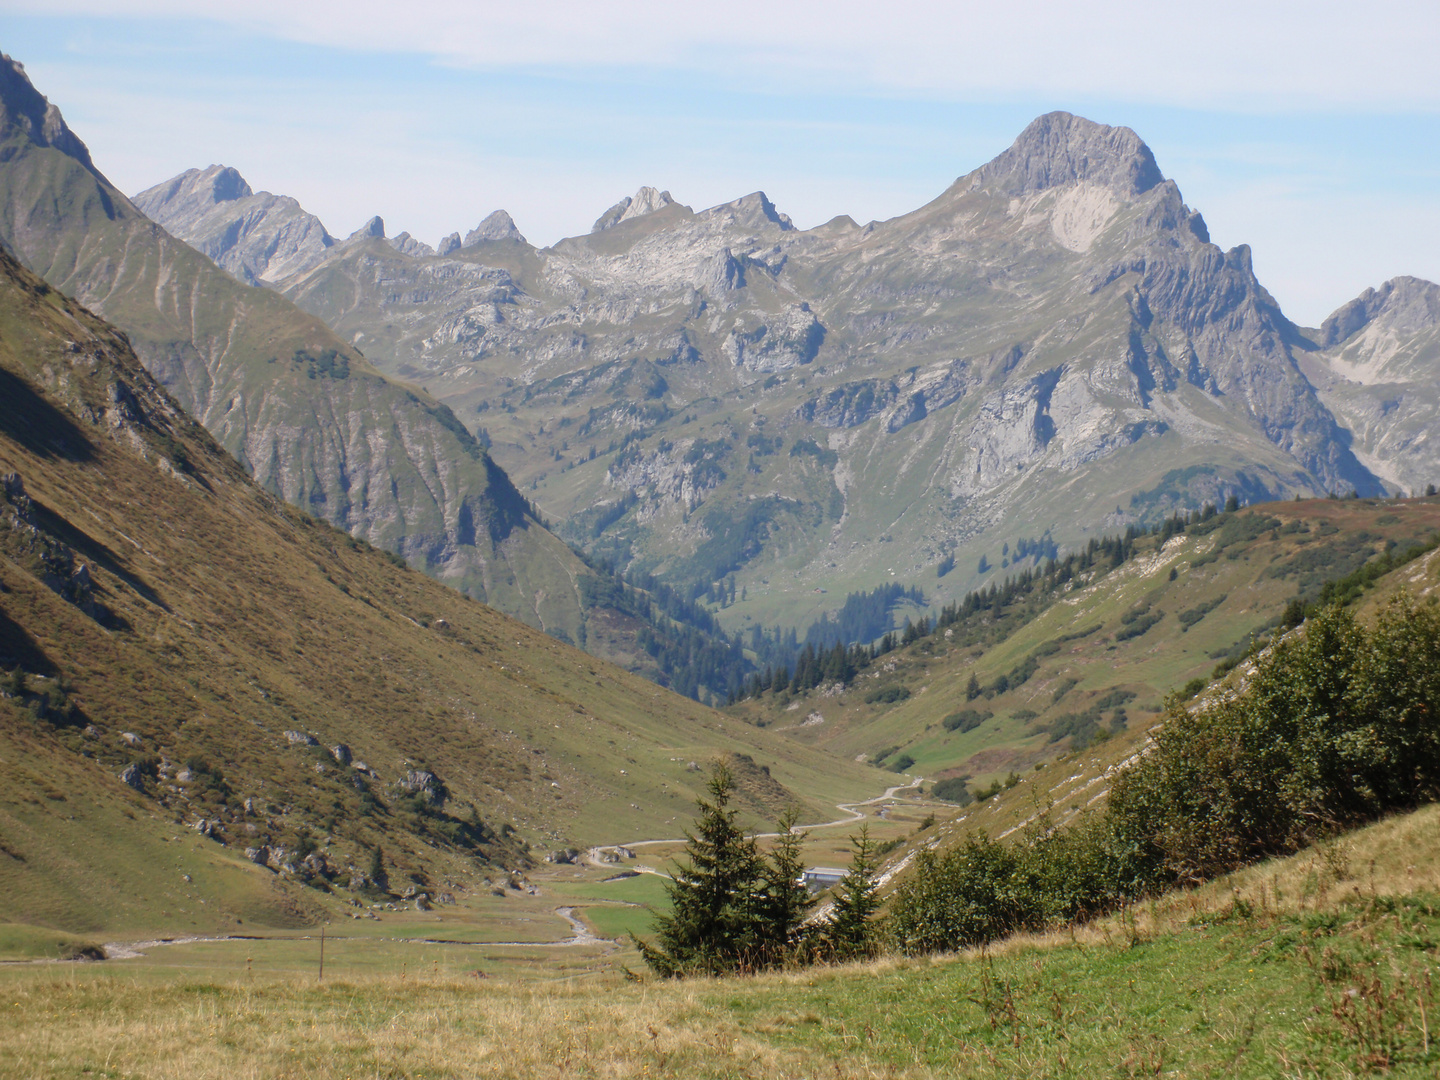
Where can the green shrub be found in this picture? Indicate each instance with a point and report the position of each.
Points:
(966, 720)
(953, 790)
(887, 695)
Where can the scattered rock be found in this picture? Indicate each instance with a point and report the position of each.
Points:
(129, 738)
(184, 776)
(132, 775)
(301, 738)
(341, 753)
(260, 856)
(421, 782)
(249, 804)
(91, 731)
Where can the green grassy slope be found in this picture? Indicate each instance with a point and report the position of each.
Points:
(1320, 965)
(210, 619)
(1122, 640)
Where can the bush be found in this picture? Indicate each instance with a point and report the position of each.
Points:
(1335, 728)
(966, 720)
(887, 695)
(903, 762)
(953, 790)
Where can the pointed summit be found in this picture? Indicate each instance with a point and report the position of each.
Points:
(498, 226)
(24, 108)
(374, 227)
(645, 201)
(198, 190)
(1059, 149)
(256, 236)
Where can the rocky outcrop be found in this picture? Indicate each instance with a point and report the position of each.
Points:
(792, 337)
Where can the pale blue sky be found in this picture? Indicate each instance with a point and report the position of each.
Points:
(1309, 131)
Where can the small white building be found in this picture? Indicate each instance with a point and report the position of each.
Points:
(819, 878)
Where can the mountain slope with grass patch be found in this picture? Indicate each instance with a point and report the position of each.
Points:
(203, 681)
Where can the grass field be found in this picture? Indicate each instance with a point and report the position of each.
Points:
(1323, 964)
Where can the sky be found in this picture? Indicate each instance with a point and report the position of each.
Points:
(1310, 131)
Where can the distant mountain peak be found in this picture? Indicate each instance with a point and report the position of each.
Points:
(1059, 149)
(198, 187)
(374, 227)
(498, 226)
(755, 209)
(24, 107)
(1413, 303)
(645, 201)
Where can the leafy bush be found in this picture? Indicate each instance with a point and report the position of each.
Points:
(903, 762)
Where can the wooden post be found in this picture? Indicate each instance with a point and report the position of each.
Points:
(322, 954)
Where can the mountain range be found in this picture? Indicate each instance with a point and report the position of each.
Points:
(1049, 349)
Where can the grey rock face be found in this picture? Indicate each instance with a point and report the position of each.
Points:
(133, 777)
(1058, 150)
(408, 245)
(341, 753)
(645, 201)
(1378, 370)
(258, 237)
(372, 229)
(498, 226)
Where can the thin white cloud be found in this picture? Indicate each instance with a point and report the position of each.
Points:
(1229, 54)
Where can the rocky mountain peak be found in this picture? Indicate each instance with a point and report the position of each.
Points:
(755, 210)
(374, 227)
(498, 226)
(24, 108)
(193, 191)
(1059, 149)
(645, 201)
(1411, 303)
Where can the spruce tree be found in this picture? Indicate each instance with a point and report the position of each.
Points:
(851, 931)
(784, 900)
(712, 925)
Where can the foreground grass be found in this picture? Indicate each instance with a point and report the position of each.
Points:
(1321, 965)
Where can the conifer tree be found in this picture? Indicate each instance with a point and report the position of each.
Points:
(851, 931)
(711, 926)
(784, 899)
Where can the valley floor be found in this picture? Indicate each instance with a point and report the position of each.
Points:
(1324, 964)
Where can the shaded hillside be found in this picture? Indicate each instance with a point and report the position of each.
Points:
(190, 659)
(301, 409)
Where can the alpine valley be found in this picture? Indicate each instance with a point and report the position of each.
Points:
(405, 575)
